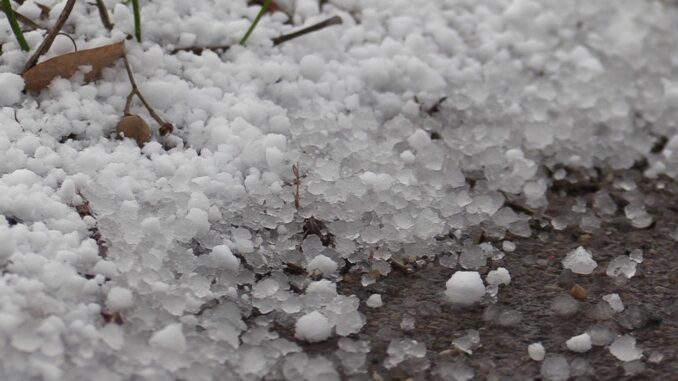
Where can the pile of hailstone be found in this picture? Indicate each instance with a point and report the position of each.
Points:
(410, 120)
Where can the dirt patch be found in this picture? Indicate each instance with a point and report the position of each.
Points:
(650, 297)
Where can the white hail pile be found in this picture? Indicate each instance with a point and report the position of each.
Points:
(529, 85)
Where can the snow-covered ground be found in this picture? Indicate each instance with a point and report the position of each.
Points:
(411, 120)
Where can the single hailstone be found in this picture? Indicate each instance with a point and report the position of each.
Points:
(465, 288)
(624, 348)
(313, 327)
(555, 368)
(615, 302)
(402, 349)
(169, 338)
(622, 266)
(468, 342)
(536, 351)
(580, 343)
(374, 301)
(579, 261)
(119, 299)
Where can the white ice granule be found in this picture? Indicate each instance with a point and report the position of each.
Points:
(624, 348)
(579, 261)
(580, 343)
(119, 298)
(499, 276)
(323, 264)
(11, 85)
(465, 288)
(170, 338)
(222, 256)
(536, 351)
(313, 327)
(374, 301)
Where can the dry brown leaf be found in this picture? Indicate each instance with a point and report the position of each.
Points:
(134, 127)
(40, 75)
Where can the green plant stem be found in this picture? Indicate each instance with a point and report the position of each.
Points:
(15, 25)
(261, 13)
(137, 19)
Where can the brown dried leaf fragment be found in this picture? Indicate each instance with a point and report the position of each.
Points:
(134, 127)
(40, 75)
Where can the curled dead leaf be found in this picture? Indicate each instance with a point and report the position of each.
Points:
(579, 292)
(40, 75)
(134, 127)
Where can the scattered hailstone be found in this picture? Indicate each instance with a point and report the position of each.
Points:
(508, 246)
(313, 327)
(615, 302)
(119, 299)
(564, 305)
(655, 357)
(222, 256)
(170, 338)
(636, 255)
(580, 343)
(536, 351)
(374, 301)
(402, 349)
(622, 266)
(601, 335)
(408, 322)
(453, 371)
(498, 276)
(465, 288)
(555, 368)
(624, 348)
(468, 342)
(579, 261)
(323, 264)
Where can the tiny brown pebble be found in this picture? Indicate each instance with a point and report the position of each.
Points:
(134, 127)
(579, 292)
(585, 238)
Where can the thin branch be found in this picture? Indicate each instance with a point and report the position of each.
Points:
(334, 20)
(135, 91)
(75, 46)
(297, 183)
(47, 42)
(24, 19)
(276, 41)
(103, 14)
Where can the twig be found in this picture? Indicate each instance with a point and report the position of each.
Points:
(135, 91)
(24, 19)
(12, 18)
(262, 11)
(297, 182)
(103, 14)
(75, 46)
(334, 20)
(47, 42)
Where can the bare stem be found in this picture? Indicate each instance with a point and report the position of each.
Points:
(103, 14)
(334, 20)
(297, 182)
(135, 91)
(47, 42)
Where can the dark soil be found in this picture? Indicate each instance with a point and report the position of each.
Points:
(650, 297)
